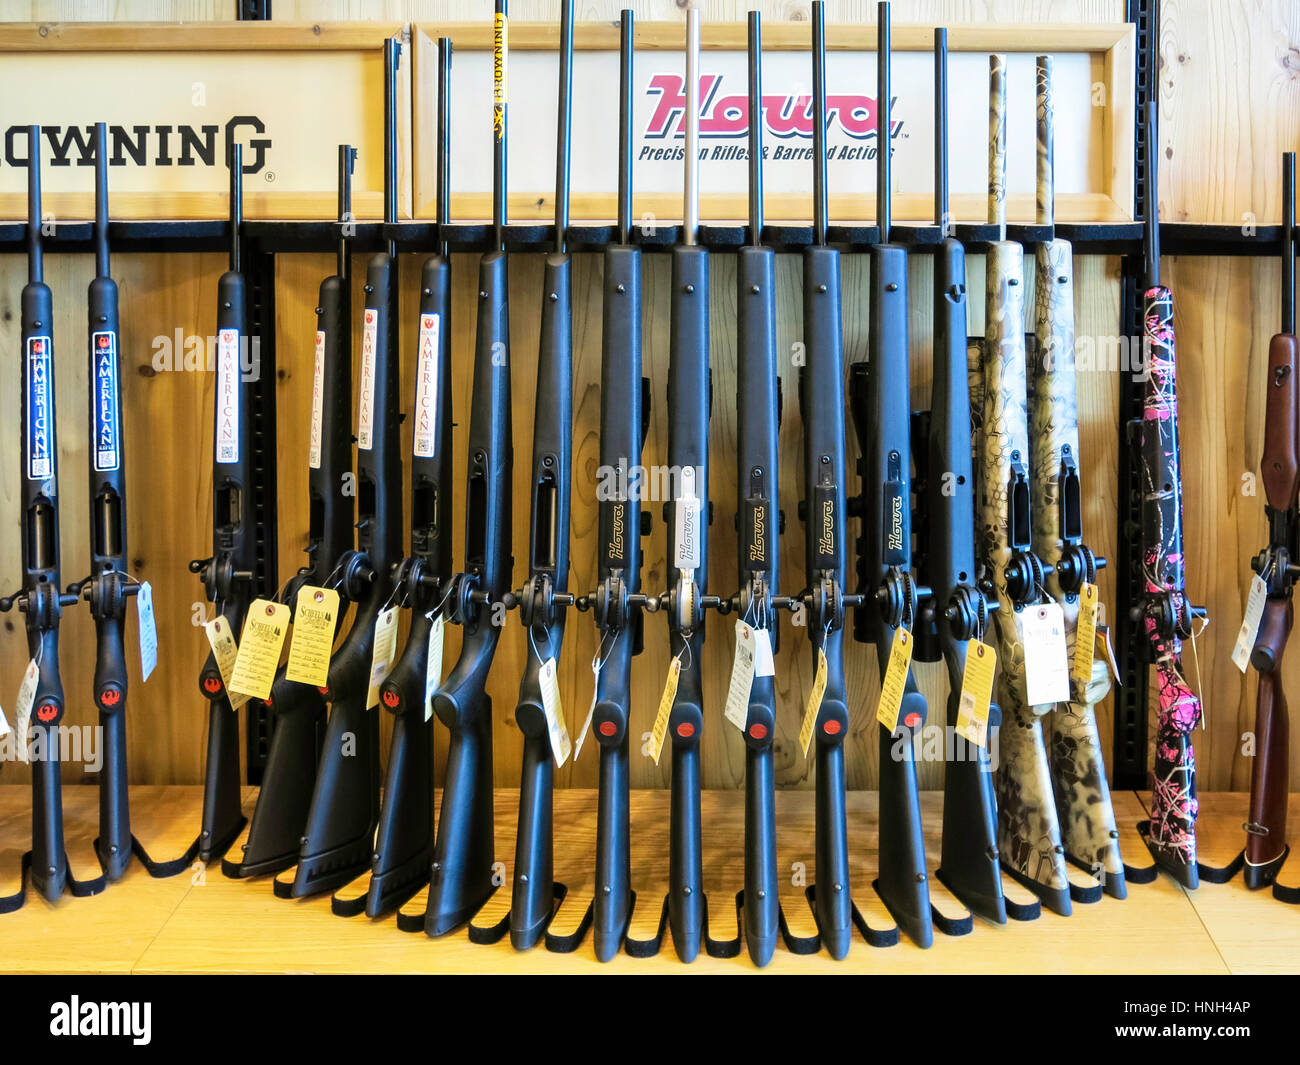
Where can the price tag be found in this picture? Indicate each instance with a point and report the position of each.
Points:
(385, 647)
(814, 705)
(736, 709)
(1085, 636)
(4, 724)
(224, 652)
(894, 683)
(591, 710)
(1250, 624)
(312, 641)
(1108, 651)
(148, 630)
(23, 710)
(1047, 665)
(561, 745)
(665, 708)
(433, 663)
(764, 663)
(265, 627)
(976, 692)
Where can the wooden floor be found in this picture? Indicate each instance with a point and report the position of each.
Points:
(202, 922)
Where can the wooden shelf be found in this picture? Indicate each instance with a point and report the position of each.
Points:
(202, 922)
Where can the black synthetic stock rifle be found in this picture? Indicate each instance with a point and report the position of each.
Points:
(891, 595)
(958, 610)
(228, 574)
(1278, 566)
(110, 586)
(41, 599)
(616, 602)
(275, 833)
(404, 839)
(541, 602)
(823, 510)
(338, 837)
(461, 877)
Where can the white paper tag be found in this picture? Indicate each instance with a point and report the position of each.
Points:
(385, 647)
(23, 709)
(742, 676)
(561, 745)
(148, 630)
(426, 386)
(686, 524)
(366, 401)
(1047, 663)
(4, 724)
(1250, 624)
(433, 663)
(764, 663)
(227, 424)
(317, 403)
(591, 710)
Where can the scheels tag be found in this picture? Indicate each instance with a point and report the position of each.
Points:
(1085, 637)
(224, 652)
(23, 709)
(591, 710)
(312, 641)
(764, 663)
(556, 728)
(1047, 665)
(665, 709)
(148, 630)
(1250, 624)
(976, 692)
(813, 708)
(742, 677)
(894, 684)
(265, 626)
(385, 647)
(433, 663)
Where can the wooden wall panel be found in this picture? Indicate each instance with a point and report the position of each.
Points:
(1230, 104)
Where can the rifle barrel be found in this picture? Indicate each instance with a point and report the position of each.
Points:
(444, 140)
(627, 35)
(1288, 243)
(35, 249)
(1151, 192)
(755, 128)
(236, 203)
(392, 57)
(819, 122)
(101, 200)
(883, 148)
(998, 144)
(347, 159)
(691, 206)
(562, 135)
(941, 130)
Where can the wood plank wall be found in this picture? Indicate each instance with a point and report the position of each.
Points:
(1230, 89)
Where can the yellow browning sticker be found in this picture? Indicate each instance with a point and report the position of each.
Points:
(265, 627)
(976, 692)
(312, 642)
(814, 705)
(665, 708)
(500, 46)
(895, 682)
(1085, 636)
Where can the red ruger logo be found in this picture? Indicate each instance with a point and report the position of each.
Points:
(727, 115)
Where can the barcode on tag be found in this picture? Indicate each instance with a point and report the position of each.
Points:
(736, 709)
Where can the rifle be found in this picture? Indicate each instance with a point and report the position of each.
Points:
(616, 603)
(1029, 838)
(404, 840)
(1163, 613)
(109, 585)
(275, 833)
(1083, 807)
(460, 878)
(1278, 566)
(39, 598)
(338, 839)
(758, 523)
(891, 594)
(958, 609)
(227, 575)
(535, 896)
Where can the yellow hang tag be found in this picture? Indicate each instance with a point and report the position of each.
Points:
(265, 626)
(312, 641)
(814, 704)
(556, 727)
(224, 652)
(433, 663)
(385, 647)
(665, 708)
(894, 683)
(1085, 636)
(976, 692)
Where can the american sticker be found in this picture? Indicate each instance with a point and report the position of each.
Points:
(317, 402)
(106, 425)
(40, 409)
(366, 409)
(227, 434)
(426, 386)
